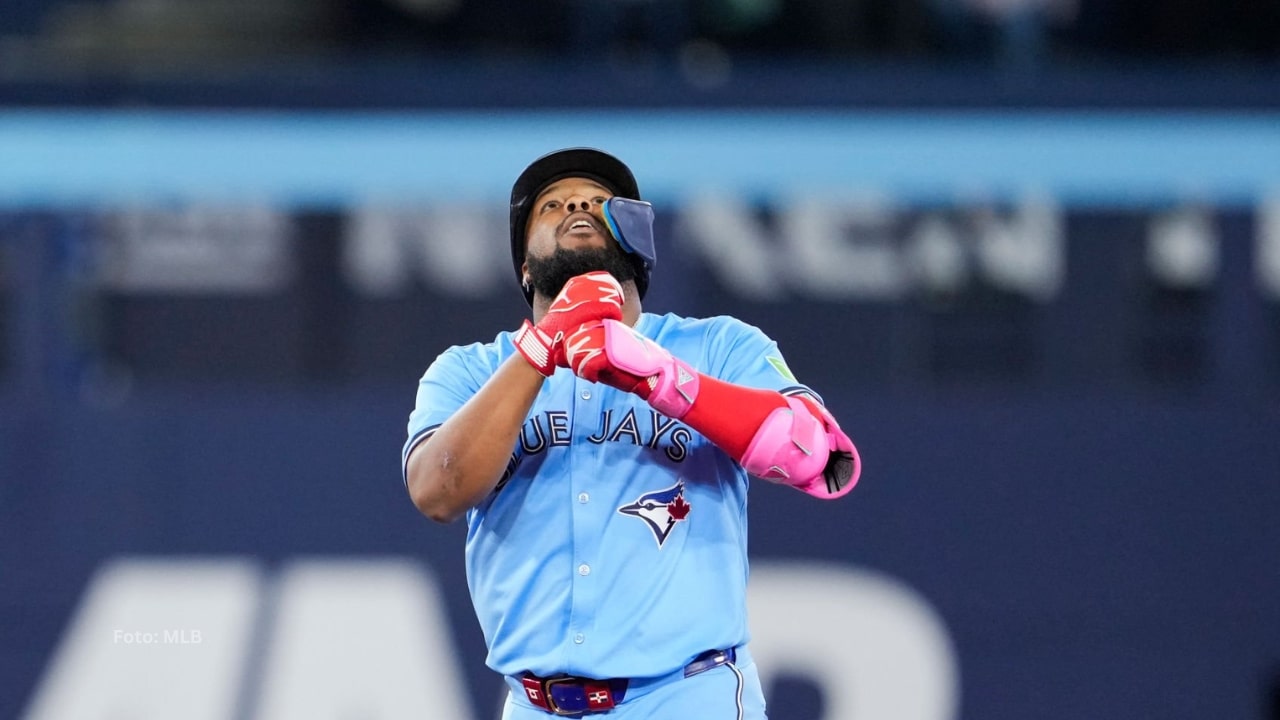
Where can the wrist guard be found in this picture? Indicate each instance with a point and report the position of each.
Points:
(614, 354)
(673, 384)
(537, 347)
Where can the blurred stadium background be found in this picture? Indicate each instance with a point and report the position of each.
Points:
(1028, 250)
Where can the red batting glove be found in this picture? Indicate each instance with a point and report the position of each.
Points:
(584, 351)
(587, 298)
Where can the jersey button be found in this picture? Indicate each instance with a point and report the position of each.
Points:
(579, 638)
(586, 394)
(584, 569)
(583, 498)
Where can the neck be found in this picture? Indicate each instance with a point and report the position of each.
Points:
(630, 304)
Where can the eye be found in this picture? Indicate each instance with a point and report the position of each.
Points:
(549, 205)
(599, 200)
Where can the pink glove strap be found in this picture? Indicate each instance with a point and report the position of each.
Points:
(673, 383)
(794, 448)
(790, 447)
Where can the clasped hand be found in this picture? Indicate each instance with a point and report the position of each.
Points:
(572, 335)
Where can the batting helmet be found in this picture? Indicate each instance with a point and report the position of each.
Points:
(589, 163)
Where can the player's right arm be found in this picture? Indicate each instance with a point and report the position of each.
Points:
(463, 460)
(459, 463)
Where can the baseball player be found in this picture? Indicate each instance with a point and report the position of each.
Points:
(601, 456)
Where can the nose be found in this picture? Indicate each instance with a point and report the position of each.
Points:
(578, 203)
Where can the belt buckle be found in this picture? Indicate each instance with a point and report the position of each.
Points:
(587, 695)
(552, 705)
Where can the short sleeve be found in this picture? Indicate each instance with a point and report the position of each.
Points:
(452, 379)
(743, 354)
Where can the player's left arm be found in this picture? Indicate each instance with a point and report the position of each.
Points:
(789, 440)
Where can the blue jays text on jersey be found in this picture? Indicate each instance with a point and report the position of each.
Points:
(636, 426)
(615, 544)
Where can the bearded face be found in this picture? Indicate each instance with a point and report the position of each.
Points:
(548, 274)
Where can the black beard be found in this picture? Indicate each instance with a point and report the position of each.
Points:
(549, 274)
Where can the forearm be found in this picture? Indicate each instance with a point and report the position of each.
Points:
(788, 440)
(729, 415)
(464, 459)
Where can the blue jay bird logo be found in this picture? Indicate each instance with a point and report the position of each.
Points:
(660, 510)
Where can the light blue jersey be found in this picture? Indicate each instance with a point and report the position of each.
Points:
(616, 543)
